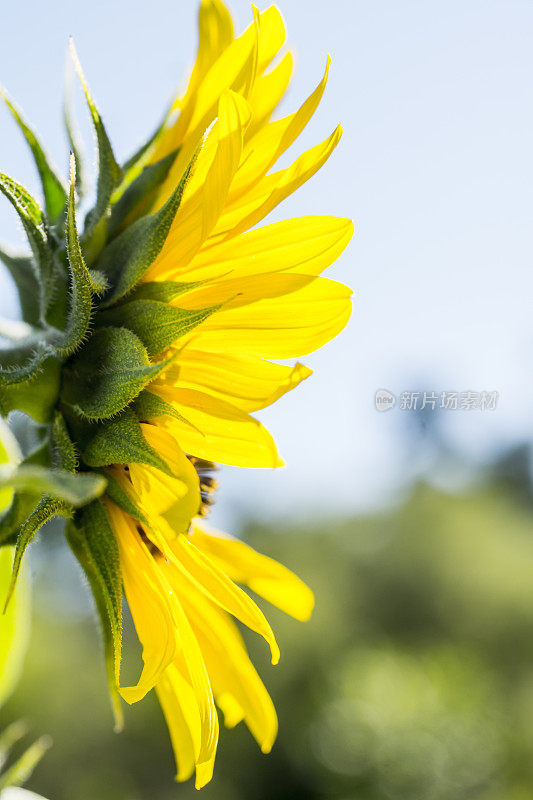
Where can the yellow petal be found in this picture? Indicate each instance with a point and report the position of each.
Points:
(206, 192)
(237, 687)
(268, 91)
(178, 702)
(179, 706)
(272, 189)
(191, 564)
(271, 36)
(233, 117)
(288, 326)
(162, 626)
(235, 69)
(191, 663)
(307, 245)
(230, 292)
(221, 432)
(261, 574)
(246, 382)
(176, 497)
(149, 601)
(264, 149)
(215, 35)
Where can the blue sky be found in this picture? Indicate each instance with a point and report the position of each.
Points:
(435, 167)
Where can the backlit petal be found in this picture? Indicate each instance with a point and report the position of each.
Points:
(191, 564)
(261, 574)
(176, 497)
(221, 432)
(268, 91)
(148, 597)
(264, 149)
(272, 189)
(304, 244)
(246, 382)
(206, 192)
(237, 687)
(289, 326)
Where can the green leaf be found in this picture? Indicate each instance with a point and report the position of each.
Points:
(32, 387)
(75, 489)
(156, 324)
(14, 627)
(81, 288)
(94, 544)
(45, 510)
(22, 270)
(55, 196)
(109, 172)
(138, 196)
(120, 441)
(32, 221)
(108, 374)
(128, 257)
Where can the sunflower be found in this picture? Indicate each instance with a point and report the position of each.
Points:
(156, 334)
(259, 287)
(183, 592)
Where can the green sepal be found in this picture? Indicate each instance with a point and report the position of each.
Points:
(63, 452)
(12, 519)
(45, 510)
(163, 291)
(32, 221)
(99, 284)
(156, 324)
(81, 282)
(71, 129)
(20, 772)
(22, 362)
(93, 542)
(121, 441)
(108, 374)
(22, 271)
(55, 196)
(34, 388)
(137, 198)
(121, 498)
(150, 406)
(109, 172)
(128, 256)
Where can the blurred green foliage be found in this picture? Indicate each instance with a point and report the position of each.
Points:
(413, 681)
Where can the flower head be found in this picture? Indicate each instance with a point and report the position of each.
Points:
(151, 336)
